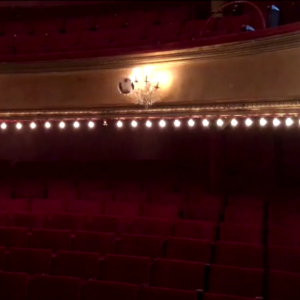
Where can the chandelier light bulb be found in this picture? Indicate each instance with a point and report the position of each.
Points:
(276, 122)
(234, 122)
(248, 122)
(220, 122)
(289, 122)
(32, 125)
(3, 126)
(62, 125)
(134, 124)
(91, 124)
(76, 124)
(120, 124)
(162, 123)
(191, 122)
(148, 124)
(19, 126)
(177, 123)
(47, 125)
(263, 122)
(205, 122)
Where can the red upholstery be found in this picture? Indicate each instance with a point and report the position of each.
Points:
(168, 198)
(50, 239)
(239, 255)
(2, 258)
(104, 196)
(49, 25)
(203, 230)
(30, 261)
(97, 242)
(283, 285)
(14, 205)
(202, 212)
(209, 296)
(140, 245)
(179, 275)
(67, 221)
(57, 42)
(234, 214)
(127, 269)
(127, 186)
(240, 282)
(99, 39)
(122, 209)
(3, 218)
(284, 236)
(29, 220)
(284, 259)
(94, 290)
(249, 202)
(150, 293)
(109, 224)
(49, 206)
(150, 226)
(241, 233)
(13, 237)
(131, 197)
(13, 286)
(87, 207)
(188, 249)
(152, 210)
(53, 287)
(76, 264)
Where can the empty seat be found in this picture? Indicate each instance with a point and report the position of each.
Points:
(233, 281)
(202, 212)
(248, 202)
(68, 221)
(127, 269)
(152, 210)
(3, 218)
(168, 198)
(209, 296)
(150, 293)
(283, 285)
(48, 206)
(284, 259)
(13, 286)
(122, 209)
(174, 274)
(98, 242)
(76, 264)
(109, 224)
(87, 207)
(241, 233)
(235, 214)
(14, 205)
(30, 261)
(53, 287)
(239, 255)
(29, 220)
(149, 226)
(50, 239)
(284, 236)
(13, 237)
(131, 197)
(140, 245)
(188, 249)
(203, 230)
(94, 290)
(2, 257)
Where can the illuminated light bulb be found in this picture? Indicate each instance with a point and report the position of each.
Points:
(19, 126)
(220, 122)
(47, 125)
(234, 122)
(76, 124)
(149, 124)
(263, 122)
(32, 125)
(276, 122)
(62, 125)
(134, 124)
(177, 123)
(91, 124)
(205, 122)
(119, 124)
(248, 122)
(191, 122)
(162, 123)
(3, 126)
(289, 122)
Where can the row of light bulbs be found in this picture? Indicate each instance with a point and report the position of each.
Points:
(162, 123)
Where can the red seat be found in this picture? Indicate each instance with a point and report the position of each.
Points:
(202, 212)
(140, 245)
(202, 230)
(53, 287)
(13, 205)
(30, 261)
(29, 220)
(283, 285)
(284, 236)
(99, 39)
(87, 207)
(18, 27)
(168, 198)
(241, 233)
(150, 293)
(13, 237)
(131, 197)
(49, 25)
(149, 226)
(247, 202)
(97, 242)
(209, 296)
(58, 42)
(67, 221)
(127, 186)
(240, 282)
(188, 249)
(94, 290)
(127, 269)
(76, 264)
(109, 224)
(48, 206)
(152, 210)
(284, 259)
(181, 275)
(164, 33)
(78, 24)
(122, 209)
(235, 214)
(2, 258)
(103, 196)
(3, 218)
(50, 239)
(13, 286)
(239, 255)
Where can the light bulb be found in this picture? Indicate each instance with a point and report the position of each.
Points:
(148, 124)
(191, 122)
(32, 125)
(234, 122)
(47, 125)
(76, 124)
(62, 125)
(220, 122)
(205, 123)
(263, 122)
(3, 126)
(162, 123)
(19, 126)
(276, 122)
(289, 122)
(134, 123)
(177, 123)
(248, 122)
(91, 124)
(119, 124)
